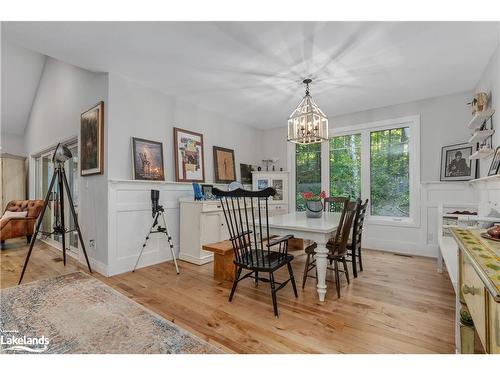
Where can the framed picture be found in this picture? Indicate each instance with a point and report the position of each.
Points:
(455, 163)
(188, 155)
(224, 165)
(147, 160)
(246, 173)
(92, 140)
(206, 190)
(495, 163)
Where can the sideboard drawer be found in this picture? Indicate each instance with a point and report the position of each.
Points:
(475, 298)
(494, 327)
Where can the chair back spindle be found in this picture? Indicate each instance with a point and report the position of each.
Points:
(357, 230)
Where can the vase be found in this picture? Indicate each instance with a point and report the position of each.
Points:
(314, 209)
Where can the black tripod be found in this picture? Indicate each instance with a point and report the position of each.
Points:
(159, 229)
(59, 227)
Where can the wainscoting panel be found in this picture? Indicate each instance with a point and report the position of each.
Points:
(130, 220)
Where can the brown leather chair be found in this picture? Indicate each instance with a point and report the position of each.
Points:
(20, 227)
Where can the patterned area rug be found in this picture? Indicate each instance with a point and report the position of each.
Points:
(77, 313)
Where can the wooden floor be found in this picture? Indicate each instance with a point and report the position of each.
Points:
(397, 305)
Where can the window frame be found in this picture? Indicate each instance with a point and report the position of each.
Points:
(413, 123)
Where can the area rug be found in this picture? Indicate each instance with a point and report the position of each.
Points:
(77, 313)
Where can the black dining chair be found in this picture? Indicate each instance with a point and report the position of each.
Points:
(337, 248)
(354, 245)
(247, 218)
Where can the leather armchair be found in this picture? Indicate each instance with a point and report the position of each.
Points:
(20, 227)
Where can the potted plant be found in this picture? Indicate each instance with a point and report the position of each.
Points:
(314, 203)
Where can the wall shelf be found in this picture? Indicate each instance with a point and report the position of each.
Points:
(487, 178)
(481, 135)
(482, 153)
(480, 118)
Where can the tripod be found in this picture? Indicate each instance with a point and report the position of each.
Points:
(159, 229)
(59, 227)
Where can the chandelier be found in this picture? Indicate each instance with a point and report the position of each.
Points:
(307, 123)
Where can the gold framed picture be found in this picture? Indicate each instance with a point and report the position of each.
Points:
(224, 165)
(92, 140)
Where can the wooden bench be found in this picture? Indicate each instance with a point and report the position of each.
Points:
(224, 269)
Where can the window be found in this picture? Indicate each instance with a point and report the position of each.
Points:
(308, 171)
(378, 161)
(345, 166)
(390, 173)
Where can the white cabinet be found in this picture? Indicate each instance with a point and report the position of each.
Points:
(202, 222)
(13, 179)
(278, 204)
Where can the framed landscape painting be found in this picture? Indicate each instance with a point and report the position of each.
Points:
(188, 156)
(224, 166)
(92, 140)
(147, 160)
(455, 163)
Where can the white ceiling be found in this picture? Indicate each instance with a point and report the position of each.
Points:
(252, 71)
(21, 71)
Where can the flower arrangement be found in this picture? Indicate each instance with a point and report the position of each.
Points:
(310, 196)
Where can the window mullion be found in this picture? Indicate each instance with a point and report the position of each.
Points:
(365, 166)
(325, 167)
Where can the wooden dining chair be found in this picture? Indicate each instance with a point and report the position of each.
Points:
(335, 204)
(354, 244)
(337, 247)
(247, 218)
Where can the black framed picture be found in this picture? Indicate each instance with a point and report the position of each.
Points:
(495, 163)
(147, 160)
(455, 163)
(246, 173)
(206, 190)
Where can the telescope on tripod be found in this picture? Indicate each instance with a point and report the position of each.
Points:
(157, 211)
(61, 154)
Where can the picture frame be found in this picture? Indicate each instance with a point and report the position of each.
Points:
(147, 160)
(495, 163)
(206, 190)
(455, 163)
(92, 140)
(224, 165)
(189, 156)
(246, 173)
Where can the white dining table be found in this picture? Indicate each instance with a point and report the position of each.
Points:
(320, 230)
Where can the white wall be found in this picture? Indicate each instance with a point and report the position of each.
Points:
(138, 111)
(64, 92)
(490, 83)
(12, 144)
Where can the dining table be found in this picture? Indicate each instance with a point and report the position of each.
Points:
(319, 230)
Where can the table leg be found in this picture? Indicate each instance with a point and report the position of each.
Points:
(321, 264)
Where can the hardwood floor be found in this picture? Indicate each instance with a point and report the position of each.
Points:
(397, 305)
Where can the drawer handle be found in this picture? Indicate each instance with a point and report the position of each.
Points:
(468, 289)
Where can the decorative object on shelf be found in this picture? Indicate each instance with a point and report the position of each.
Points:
(198, 195)
(147, 160)
(262, 184)
(259, 168)
(189, 156)
(206, 190)
(495, 163)
(455, 163)
(92, 140)
(314, 203)
(479, 103)
(234, 186)
(271, 161)
(494, 232)
(224, 165)
(307, 123)
(246, 173)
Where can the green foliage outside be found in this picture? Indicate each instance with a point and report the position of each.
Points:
(345, 166)
(390, 173)
(308, 171)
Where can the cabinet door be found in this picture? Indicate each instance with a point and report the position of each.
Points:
(494, 327)
(212, 227)
(279, 184)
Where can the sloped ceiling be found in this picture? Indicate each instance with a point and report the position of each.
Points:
(21, 72)
(252, 71)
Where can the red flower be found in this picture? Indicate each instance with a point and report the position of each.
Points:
(322, 195)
